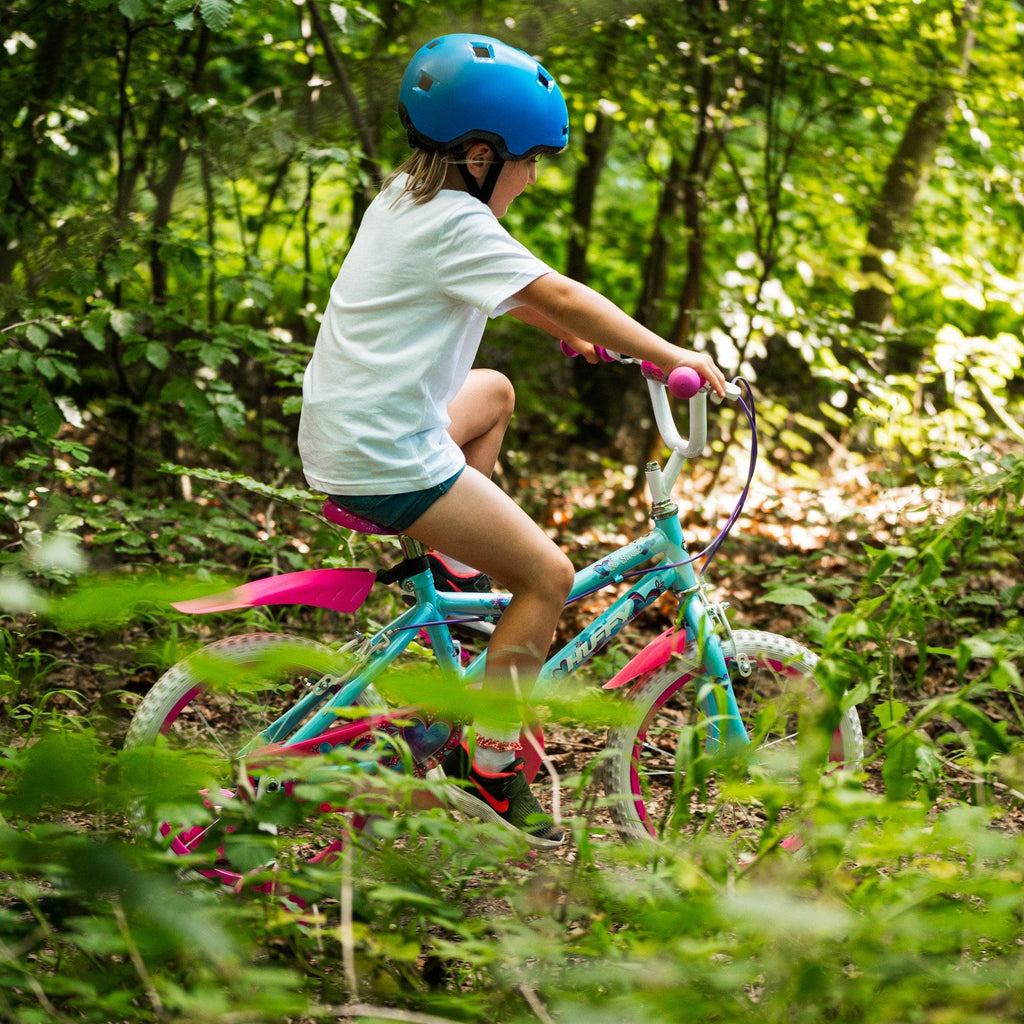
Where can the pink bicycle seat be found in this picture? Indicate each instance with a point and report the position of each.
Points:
(350, 521)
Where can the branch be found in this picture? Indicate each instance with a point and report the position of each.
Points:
(366, 136)
(381, 1013)
(993, 404)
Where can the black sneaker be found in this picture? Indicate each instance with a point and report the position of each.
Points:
(503, 798)
(447, 578)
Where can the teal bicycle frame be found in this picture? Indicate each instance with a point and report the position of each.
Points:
(436, 611)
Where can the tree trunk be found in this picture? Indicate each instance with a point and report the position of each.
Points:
(164, 188)
(893, 211)
(365, 129)
(693, 187)
(21, 165)
(596, 144)
(597, 390)
(652, 290)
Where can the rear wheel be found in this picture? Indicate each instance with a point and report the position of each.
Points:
(662, 778)
(248, 818)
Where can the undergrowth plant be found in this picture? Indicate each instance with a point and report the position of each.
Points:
(934, 641)
(891, 910)
(896, 895)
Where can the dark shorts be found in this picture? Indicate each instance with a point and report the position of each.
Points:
(393, 511)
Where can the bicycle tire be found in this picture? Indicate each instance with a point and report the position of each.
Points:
(185, 711)
(658, 743)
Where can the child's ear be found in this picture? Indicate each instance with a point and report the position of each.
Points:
(478, 159)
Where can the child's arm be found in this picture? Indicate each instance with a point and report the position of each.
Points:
(577, 311)
(536, 319)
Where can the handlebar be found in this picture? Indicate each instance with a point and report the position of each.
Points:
(684, 383)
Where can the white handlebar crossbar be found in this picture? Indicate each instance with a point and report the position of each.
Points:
(682, 448)
(661, 480)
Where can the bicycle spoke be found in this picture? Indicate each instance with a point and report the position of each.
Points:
(208, 728)
(787, 738)
(181, 709)
(654, 749)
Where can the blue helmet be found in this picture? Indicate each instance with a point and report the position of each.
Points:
(461, 88)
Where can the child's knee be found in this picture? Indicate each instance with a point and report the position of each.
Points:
(546, 576)
(559, 575)
(503, 395)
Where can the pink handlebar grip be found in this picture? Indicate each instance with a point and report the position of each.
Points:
(685, 382)
(682, 382)
(602, 353)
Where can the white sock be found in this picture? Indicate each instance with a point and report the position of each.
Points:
(493, 761)
(487, 757)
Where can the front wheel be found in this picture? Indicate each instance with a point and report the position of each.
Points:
(663, 776)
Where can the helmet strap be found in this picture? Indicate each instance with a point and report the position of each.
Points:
(485, 189)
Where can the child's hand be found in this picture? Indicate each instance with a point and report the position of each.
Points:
(581, 347)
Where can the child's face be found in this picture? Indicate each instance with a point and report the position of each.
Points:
(515, 177)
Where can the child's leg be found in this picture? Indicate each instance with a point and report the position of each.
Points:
(480, 414)
(478, 523)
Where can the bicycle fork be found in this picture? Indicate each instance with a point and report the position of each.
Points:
(704, 624)
(700, 622)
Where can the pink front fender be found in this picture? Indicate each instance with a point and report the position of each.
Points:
(653, 656)
(341, 590)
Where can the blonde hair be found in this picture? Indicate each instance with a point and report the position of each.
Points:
(427, 171)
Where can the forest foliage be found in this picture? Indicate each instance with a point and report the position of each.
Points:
(829, 197)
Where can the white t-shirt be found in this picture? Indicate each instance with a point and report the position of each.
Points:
(398, 338)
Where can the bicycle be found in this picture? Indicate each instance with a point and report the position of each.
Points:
(334, 715)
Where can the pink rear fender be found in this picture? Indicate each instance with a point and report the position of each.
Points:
(653, 656)
(341, 590)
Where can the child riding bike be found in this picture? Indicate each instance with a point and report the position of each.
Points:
(398, 428)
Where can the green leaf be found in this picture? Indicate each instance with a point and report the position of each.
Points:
(216, 13)
(791, 594)
(94, 329)
(157, 355)
(208, 428)
(103, 601)
(132, 9)
(59, 770)
(248, 852)
(883, 559)
(1006, 677)
(122, 321)
(984, 731)
(46, 367)
(37, 335)
(398, 895)
(890, 712)
(899, 765)
(47, 418)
